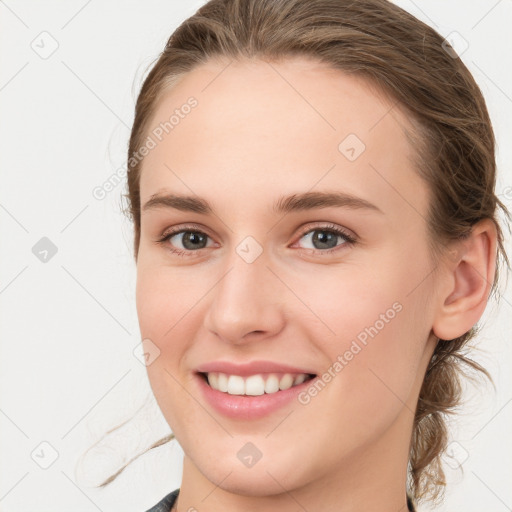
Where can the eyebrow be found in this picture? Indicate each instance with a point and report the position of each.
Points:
(294, 202)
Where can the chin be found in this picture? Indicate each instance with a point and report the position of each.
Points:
(251, 482)
(268, 476)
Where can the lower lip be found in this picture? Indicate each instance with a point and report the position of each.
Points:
(249, 407)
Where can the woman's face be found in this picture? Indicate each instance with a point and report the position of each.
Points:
(262, 276)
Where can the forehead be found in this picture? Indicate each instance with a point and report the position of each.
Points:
(291, 126)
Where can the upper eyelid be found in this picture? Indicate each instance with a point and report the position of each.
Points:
(327, 226)
(185, 228)
(323, 225)
(320, 225)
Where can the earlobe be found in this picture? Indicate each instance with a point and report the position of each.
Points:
(472, 275)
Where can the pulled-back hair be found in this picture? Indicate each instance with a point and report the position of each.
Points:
(454, 142)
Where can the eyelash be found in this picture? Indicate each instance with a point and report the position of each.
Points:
(330, 228)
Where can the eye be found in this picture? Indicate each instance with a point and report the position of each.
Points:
(325, 239)
(188, 240)
(188, 237)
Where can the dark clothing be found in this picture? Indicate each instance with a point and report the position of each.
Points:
(166, 504)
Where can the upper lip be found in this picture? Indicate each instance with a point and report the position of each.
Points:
(250, 368)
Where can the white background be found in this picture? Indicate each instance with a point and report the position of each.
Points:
(69, 326)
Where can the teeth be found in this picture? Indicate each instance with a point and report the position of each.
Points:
(271, 384)
(300, 379)
(236, 385)
(222, 382)
(254, 385)
(286, 382)
(213, 380)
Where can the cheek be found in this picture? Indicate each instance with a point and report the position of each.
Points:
(164, 297)
(372, 326)
(358, 303)
(164, 304)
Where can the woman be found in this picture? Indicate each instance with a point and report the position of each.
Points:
(312, 190)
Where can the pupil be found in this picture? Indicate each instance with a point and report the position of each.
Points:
(323, 237)
(192, 238)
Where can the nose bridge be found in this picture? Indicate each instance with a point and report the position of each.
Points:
(246, 298)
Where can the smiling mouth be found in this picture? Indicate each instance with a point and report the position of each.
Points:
(254, 385)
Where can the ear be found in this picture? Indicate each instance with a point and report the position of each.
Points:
(470, 276)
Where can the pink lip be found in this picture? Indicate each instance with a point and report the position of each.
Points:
(251, 368)
(249, 407)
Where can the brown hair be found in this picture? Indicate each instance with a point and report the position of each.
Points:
(455, 144)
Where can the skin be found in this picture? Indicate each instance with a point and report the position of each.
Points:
(260, 132)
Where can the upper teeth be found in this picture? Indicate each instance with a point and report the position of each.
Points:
(254, 384)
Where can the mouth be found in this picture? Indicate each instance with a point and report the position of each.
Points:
(254, 385)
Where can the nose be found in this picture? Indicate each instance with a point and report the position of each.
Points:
(247, 302)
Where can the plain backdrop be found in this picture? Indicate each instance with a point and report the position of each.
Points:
(70, 369)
